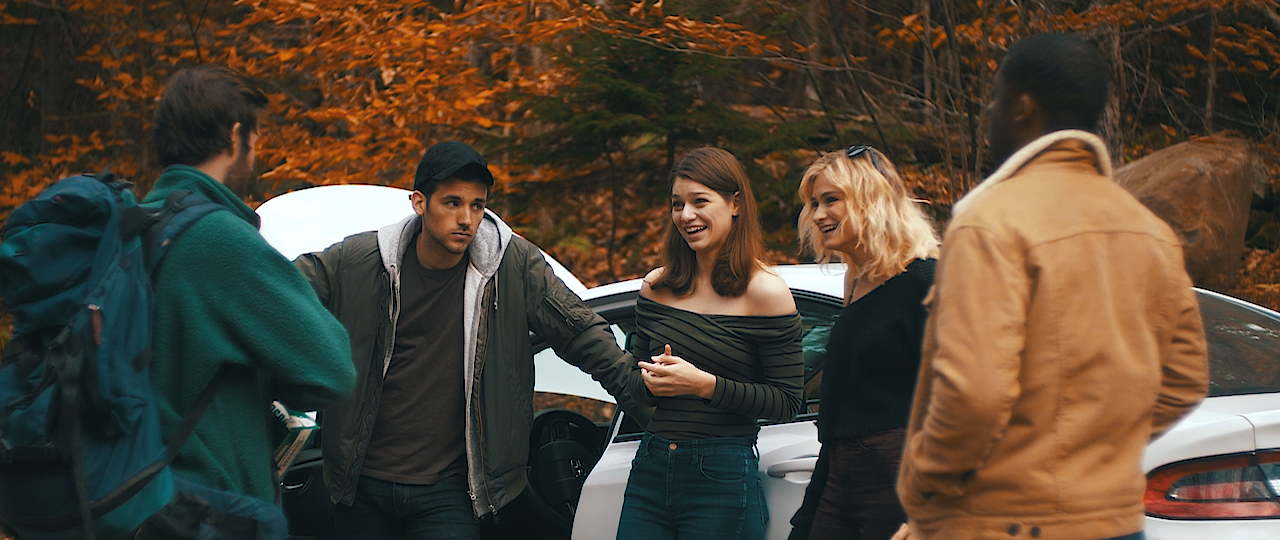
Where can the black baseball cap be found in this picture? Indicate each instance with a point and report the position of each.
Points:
(447, 159)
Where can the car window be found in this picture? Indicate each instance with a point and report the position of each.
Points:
(599, 412)
(819, 314)
(554, 373)
(1243, 347)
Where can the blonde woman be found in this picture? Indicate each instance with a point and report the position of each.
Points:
(857, 211)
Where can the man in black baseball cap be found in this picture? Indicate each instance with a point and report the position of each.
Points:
(450, 159)
(450, 215)
(439, 308)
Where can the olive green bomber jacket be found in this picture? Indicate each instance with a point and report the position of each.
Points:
(510, 291)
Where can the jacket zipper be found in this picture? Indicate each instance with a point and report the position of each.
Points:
(482, 347)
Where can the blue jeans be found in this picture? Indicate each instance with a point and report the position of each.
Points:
(704, 489)
(390, 511)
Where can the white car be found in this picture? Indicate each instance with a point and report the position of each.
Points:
(1216, 474)
(315, 218)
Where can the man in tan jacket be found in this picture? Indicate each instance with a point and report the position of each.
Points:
(1063, 331)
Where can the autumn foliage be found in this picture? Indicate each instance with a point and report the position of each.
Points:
(582, 106)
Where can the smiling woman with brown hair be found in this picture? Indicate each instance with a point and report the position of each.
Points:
(723, 335)
(857, 211)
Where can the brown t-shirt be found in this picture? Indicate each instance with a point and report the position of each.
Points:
(418, 435)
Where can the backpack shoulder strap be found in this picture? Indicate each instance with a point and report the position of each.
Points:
(181, 209)
(188, 425)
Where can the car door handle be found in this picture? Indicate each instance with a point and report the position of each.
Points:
(803, 464)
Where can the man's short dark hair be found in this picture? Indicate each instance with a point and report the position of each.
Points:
(197, 109)
(1065, 74)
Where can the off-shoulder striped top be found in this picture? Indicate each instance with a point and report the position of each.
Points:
(756, 360)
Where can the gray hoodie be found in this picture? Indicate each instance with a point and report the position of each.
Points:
(510, 292)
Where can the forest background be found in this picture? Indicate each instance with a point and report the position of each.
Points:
(581, 107)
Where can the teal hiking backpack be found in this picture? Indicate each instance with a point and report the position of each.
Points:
(80, 434)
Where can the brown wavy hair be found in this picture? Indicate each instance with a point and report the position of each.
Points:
(743, 250)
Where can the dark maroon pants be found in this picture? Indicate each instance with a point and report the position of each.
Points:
(860, 501)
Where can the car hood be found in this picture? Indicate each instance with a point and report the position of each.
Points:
(315, 218)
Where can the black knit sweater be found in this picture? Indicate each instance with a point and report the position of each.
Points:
(873, 357)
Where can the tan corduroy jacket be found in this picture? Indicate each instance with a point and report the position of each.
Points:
(1063, 335)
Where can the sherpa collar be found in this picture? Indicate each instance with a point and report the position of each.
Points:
(1029, 152)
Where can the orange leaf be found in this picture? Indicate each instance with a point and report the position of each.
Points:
(14, 158)
(1238, 97)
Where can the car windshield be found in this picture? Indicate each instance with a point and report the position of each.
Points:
(1243, 343)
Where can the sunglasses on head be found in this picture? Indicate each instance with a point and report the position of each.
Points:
(859, 149)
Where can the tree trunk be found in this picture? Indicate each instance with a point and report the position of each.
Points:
(955, 86)
(1111, 126)
(1213, 73)
(614, 208)
(922, 7)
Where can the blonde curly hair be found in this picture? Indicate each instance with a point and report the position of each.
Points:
(889, 225)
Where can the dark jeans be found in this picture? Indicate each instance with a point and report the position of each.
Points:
(860, 501)
(390, 511)
(1135, 536)
(704, 489)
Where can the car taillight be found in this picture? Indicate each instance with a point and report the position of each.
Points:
(1222, 487)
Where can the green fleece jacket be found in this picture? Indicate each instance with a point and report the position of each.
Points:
(223, 296)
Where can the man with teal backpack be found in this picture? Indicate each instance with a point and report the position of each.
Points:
(167, 321)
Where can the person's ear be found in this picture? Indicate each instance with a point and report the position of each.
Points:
(1025, 110)
(733, 203)
(236, 141)
(419, 202)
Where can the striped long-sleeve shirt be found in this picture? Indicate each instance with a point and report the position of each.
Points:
(756, 360)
